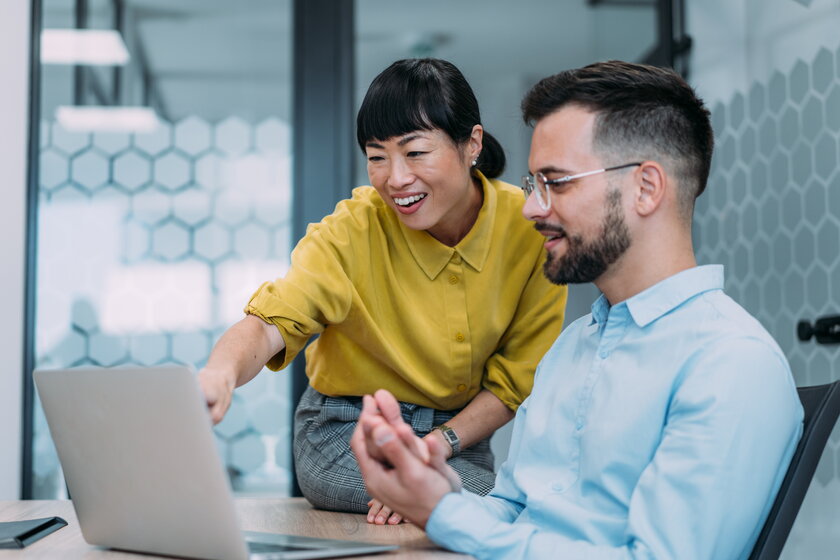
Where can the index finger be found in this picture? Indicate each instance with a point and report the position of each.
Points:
(389, 407)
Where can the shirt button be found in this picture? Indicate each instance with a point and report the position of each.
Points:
(453, 279)
(557, 487)
(462, 387)
(604, 354)
(459, 337)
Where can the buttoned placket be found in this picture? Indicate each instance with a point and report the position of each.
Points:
(460, 342)
(609, 333)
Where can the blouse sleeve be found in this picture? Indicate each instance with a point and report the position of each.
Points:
(316, 291)
(535, 326)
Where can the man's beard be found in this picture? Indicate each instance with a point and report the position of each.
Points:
(585, 262)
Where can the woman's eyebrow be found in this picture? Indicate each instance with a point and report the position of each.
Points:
(405, 140)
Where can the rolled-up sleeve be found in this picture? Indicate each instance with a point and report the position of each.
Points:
(536, 324)
(317, 291)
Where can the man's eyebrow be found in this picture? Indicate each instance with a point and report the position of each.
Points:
(374, 145)
(558, 170)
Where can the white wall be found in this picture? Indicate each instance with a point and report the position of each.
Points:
(14, 102)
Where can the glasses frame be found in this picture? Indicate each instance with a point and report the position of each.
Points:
(532, 183)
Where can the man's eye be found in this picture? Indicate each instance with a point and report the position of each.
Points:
(560, 186)
(374, 159)
(415, 154)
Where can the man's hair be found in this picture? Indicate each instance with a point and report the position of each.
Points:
(643, 113)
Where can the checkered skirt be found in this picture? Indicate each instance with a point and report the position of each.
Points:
(327, 471)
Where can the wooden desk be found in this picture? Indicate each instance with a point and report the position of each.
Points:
(279, 515)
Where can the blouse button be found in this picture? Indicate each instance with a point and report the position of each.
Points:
(462, 387)
(453, 279)
(459, 337)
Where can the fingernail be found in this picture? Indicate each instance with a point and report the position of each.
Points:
(384, 437)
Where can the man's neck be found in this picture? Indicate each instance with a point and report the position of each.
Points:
(640, 268)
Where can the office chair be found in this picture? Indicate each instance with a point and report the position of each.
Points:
(821, 404)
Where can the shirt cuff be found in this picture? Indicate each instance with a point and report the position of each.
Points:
(459, 523)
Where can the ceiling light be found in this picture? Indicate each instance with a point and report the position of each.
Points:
(98, 47)
(107, 119)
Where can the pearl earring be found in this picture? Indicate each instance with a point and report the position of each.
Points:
(474, 162)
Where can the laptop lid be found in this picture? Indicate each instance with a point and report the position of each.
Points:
(139, 457)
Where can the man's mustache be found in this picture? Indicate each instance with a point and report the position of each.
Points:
(551, 228)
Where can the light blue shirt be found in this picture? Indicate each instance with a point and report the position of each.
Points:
(660, 427)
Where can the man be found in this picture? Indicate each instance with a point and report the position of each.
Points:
(659, 426)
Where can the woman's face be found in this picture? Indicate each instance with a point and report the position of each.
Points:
(425, 178)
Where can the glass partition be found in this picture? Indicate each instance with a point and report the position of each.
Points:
(164, 200)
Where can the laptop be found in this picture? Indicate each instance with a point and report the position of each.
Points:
(139, 457)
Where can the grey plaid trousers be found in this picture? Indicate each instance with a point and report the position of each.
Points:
(327, 471)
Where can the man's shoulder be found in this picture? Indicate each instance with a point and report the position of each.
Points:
(731, 347)
(723, 318)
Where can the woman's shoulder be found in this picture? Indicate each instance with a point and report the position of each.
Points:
(364, 210)
(509, 204)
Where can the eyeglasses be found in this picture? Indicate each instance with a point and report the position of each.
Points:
(539, 183)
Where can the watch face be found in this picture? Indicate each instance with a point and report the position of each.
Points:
(450, 437)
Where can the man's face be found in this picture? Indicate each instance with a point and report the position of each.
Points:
(585, 226)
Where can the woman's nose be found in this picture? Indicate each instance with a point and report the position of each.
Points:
(400, 174)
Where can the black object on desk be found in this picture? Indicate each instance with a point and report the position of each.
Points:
(18, 534)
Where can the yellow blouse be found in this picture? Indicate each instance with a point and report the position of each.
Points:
(398, 310)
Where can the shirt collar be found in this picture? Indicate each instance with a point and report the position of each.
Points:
(433, 255)
(658, 300)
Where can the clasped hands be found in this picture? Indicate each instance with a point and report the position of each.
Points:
(406, 472)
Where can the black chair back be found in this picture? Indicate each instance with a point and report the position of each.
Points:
(822, 406)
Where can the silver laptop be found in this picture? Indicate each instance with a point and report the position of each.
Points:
(143, 471)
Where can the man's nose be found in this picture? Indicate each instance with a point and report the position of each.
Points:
(533, 210)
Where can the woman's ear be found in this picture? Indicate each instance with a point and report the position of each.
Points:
(476, 142)
(651, 181)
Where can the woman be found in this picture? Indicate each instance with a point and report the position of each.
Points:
(428, 284)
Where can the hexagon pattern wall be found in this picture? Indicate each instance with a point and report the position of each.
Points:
(771, 214)
(149, 246)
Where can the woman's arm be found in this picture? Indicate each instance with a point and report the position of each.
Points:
(477, 421)
(238, 357)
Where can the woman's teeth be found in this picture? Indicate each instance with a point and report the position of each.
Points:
(409, 200)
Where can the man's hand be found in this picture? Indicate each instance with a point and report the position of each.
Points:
(379, 513)
(400, 469)
(218, 391)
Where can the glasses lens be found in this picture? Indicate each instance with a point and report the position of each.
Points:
(527, 185)
(542, 190)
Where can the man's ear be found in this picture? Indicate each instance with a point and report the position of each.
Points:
(651, 183)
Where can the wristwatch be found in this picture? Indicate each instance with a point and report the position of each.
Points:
(451, 438)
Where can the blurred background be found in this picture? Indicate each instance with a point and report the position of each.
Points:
(182, 146)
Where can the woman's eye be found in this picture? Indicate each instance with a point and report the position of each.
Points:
(415, 154)
(374, 159)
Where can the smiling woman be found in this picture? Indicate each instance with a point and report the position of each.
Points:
(428, 284)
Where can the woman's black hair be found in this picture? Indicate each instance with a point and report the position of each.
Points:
(425, 94)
